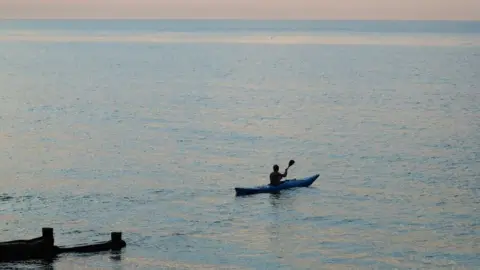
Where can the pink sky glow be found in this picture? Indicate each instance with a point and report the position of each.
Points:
(244, 9)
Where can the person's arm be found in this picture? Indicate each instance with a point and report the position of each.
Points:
(285, 173)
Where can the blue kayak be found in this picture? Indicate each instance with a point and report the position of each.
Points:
(290, 183)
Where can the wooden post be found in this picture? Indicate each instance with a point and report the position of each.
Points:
(116, 241)
(116, 237)
(48, 248)
(47, 234)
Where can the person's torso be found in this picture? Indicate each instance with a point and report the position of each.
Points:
(275, 178)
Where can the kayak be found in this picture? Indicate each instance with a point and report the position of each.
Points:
(289, 183)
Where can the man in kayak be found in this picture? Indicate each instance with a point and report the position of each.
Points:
(276, 176)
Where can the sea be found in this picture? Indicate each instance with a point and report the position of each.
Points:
(146, 127)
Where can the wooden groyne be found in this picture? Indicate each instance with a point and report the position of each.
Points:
(44, 247)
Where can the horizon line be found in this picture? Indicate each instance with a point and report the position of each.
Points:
(225, 19)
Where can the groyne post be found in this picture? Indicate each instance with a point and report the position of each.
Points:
(117, 241)
(49, 248)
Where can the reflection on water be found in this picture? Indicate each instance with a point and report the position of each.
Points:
(33, 264)
(70, 261)
(283, 200)
(275, 198)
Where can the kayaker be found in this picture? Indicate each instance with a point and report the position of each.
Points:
(276, 176)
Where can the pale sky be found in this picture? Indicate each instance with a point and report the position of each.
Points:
(244, 9)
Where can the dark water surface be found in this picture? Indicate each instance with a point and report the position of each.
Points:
(149, 137)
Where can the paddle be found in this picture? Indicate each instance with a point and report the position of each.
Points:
(290, 163)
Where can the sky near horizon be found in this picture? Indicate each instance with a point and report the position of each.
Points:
(243, 9)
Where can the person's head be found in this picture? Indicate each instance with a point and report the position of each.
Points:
(275, 168)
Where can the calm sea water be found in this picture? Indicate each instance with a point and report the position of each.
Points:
(146, 127)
